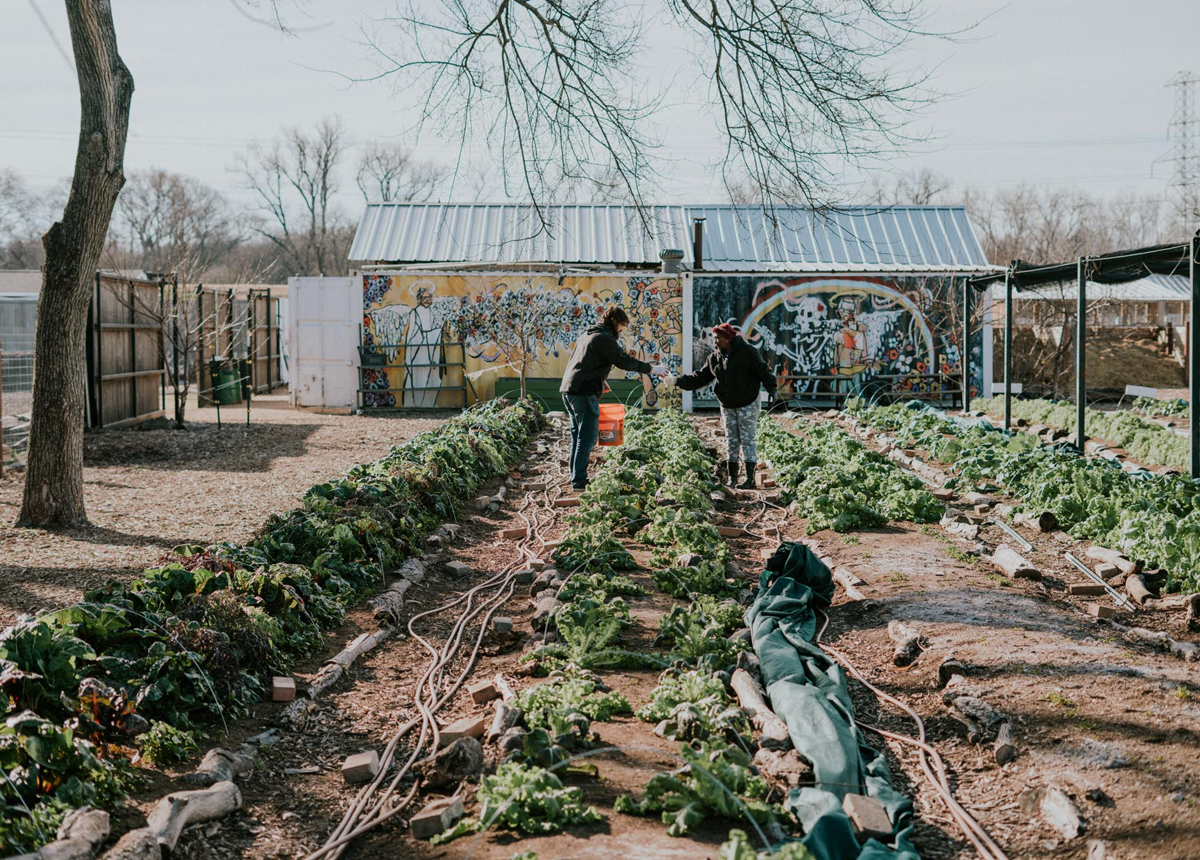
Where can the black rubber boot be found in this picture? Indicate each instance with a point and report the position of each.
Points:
(749, 484)
(732, 466)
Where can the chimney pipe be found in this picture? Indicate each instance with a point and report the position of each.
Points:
(697, 244)
(671, 258)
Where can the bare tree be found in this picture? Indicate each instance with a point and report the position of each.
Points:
(25, 216)
(558, 88)
(390, 173)
(921, 187)
(173, 223)
(295, 181)
(54, 473)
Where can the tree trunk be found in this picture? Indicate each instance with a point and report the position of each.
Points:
(54, 472)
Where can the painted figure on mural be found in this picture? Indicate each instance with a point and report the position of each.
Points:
(850, 349)
(424, 354)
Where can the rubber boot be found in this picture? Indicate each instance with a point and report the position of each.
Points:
(749, 484)
(732, 466)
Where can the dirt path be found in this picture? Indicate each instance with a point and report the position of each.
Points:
(150, 489)
(1113, 725)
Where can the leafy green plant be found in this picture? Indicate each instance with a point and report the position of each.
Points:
(739, 847)
(695, 705)
(568, 691)
(717, 779)
(166, 745)
(697, 638)
(529, 800)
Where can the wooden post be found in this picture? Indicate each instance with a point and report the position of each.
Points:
(1081, 356)
(1008, 335)
(1194, 359)
(966, 346)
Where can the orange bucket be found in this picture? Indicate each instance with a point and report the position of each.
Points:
(612, 423)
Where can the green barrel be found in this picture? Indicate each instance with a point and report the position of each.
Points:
(227, 387)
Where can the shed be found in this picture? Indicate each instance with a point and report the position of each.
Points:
(840, 301)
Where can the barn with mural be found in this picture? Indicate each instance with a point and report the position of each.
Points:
(463, 302)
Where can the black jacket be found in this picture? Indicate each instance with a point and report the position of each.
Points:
(595, 354)
(738, 373)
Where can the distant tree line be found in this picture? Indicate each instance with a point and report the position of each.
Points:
(166, 221)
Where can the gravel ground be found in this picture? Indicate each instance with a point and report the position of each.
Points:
(150, 489)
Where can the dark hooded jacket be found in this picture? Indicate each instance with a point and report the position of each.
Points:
(738, 374)
(595, 354)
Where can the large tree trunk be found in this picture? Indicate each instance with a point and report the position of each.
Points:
(54, 473)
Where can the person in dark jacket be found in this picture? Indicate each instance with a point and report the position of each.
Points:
(596, 352)
(740, 373)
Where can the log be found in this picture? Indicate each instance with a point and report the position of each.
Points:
(1193, 612)
(389, 605)
(169, 818)
(507, 693)
(1005, 747)
(775, 734)
(1045, 521)
(1187, 651)
(1171, 603)
(1112, 556)
(950, 667)
(1135, 587)
(218, 765)
(504, 718)
(77, 838)
(363, 643)
(908, 643)
(1013, 564)
(849, 583)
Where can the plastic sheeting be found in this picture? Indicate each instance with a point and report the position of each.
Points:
(808, 692)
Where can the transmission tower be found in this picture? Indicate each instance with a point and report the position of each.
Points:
(1184, 187)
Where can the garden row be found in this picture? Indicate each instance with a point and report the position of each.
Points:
(836, 482)
(656, 488)
(1146, 441)
(1151, 517)
(143, 671)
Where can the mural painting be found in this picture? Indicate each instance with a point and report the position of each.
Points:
(847, 335)
(433, 329)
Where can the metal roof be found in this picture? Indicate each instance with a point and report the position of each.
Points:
(1152, 288)
(736, 238)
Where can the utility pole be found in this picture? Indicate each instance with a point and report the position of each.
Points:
(1183, 190)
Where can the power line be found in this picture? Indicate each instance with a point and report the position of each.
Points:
(53, 36)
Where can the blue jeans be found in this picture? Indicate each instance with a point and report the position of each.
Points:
(584, 410)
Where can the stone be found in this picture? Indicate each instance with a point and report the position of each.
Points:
(1107, 570)
(459, 761)
(774, 498)
(283, 689)
(463, 727)
(546, 609)
(457, 568)
(515, 534)
(483, 691)
(502, 624)
(513, 739)
(983, 510)
(434, 541)
(481, 502)
(766, 554)
(730, 531)
(1097, 610)
(868, 816)
(942, 495)
(537, 565)
(1089, 589)
(1013, 564)
(524, 577)
(437, 817)
(361, 767)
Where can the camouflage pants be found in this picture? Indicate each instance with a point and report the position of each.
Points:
(741, 429)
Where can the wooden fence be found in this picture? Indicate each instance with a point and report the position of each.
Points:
(125, 369)
(237, 325)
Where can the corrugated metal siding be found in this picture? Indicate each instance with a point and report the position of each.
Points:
(736, 238)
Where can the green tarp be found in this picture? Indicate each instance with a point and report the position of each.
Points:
(808, 692)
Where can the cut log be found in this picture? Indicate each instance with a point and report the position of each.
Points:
(389, 605)
(1086, 589)
(1112, 556)
(908, 643)
(503, 719)
(363, 643)
(752, 699)
(218, 765)
(1005, 747)
(170, 816)
(950, 667)
(1013, 564)
(77, 838)
(507, 693)
(1171, 603)
(849, 583)
(1135, 587)
(1045, 521)
(1193, 612)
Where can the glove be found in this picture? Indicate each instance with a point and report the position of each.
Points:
(668, 380)
(658, 370)
(771, 399)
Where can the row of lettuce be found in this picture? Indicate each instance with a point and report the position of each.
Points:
(1146, 441)
(148, 668)
(1151, 517)
(655, 488)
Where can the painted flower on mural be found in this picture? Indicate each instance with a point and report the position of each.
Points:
(375, 287)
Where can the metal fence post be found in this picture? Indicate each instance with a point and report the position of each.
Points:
(1008, 335)
(1194, 358)
(1081, 356)
(966, 346)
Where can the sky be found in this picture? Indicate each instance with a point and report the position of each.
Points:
(1060, 92)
